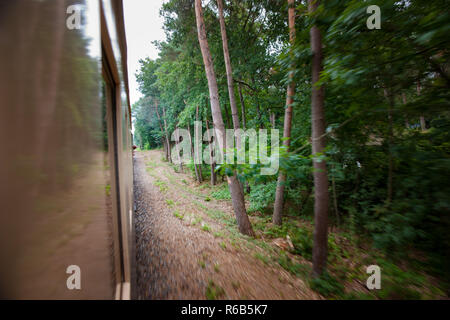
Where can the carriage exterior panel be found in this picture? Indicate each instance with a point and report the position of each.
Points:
(66, 164)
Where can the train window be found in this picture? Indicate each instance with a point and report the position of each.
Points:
(111, 133)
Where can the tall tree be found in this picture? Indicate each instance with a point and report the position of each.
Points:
(164, 131)
(230, 82)
(241, 98)
(213, 164)
(165, 139)
(321, 197)
(167, 135)
(229, 71)
(237, 196)
(279, 194)
(179, 139)
(198, 166)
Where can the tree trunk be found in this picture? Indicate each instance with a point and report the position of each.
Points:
(237, 195)
(230, 82)
(335, 200)
(406, 118)
(167, 135)
(213, 174)
(229, 71)
(177, 142)
(272, 119)
(197, 172)
(321, 197)
(258, 107)
(227, 117)
(166, 147)
(279, 193)
(241, 98)
(423, 124)
(213, 164)
(390, 134)
(199, 165)
(166, 154)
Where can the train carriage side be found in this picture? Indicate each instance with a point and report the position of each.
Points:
(66, 198)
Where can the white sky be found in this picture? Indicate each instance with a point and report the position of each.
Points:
(142, 26)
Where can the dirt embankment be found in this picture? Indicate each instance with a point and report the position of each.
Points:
(188, 249)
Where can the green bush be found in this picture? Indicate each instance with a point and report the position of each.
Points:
(327, 286)
(397, 283)
(262, 196)
(223, 193)
(274, 231)
(293, 267)
(302, 240)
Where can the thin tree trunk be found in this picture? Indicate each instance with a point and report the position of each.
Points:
(237, 195)
(229, 71)
(390, 99)
(213, 164)
(167, 134)
(406, 118)
(177, 142)
(279, 193)
(163, 140)
(258, 107)
(241, 98)
(423, 124)
(321, 197)
(166, 147)
(230, 82)
(258, 110)
(335, 200)
(272, 119)
(227, 117)
(213, 174)
(197, 174)
(199, 165)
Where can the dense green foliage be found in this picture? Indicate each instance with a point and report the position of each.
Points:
(388, 174)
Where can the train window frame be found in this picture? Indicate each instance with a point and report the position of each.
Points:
(112, 82)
